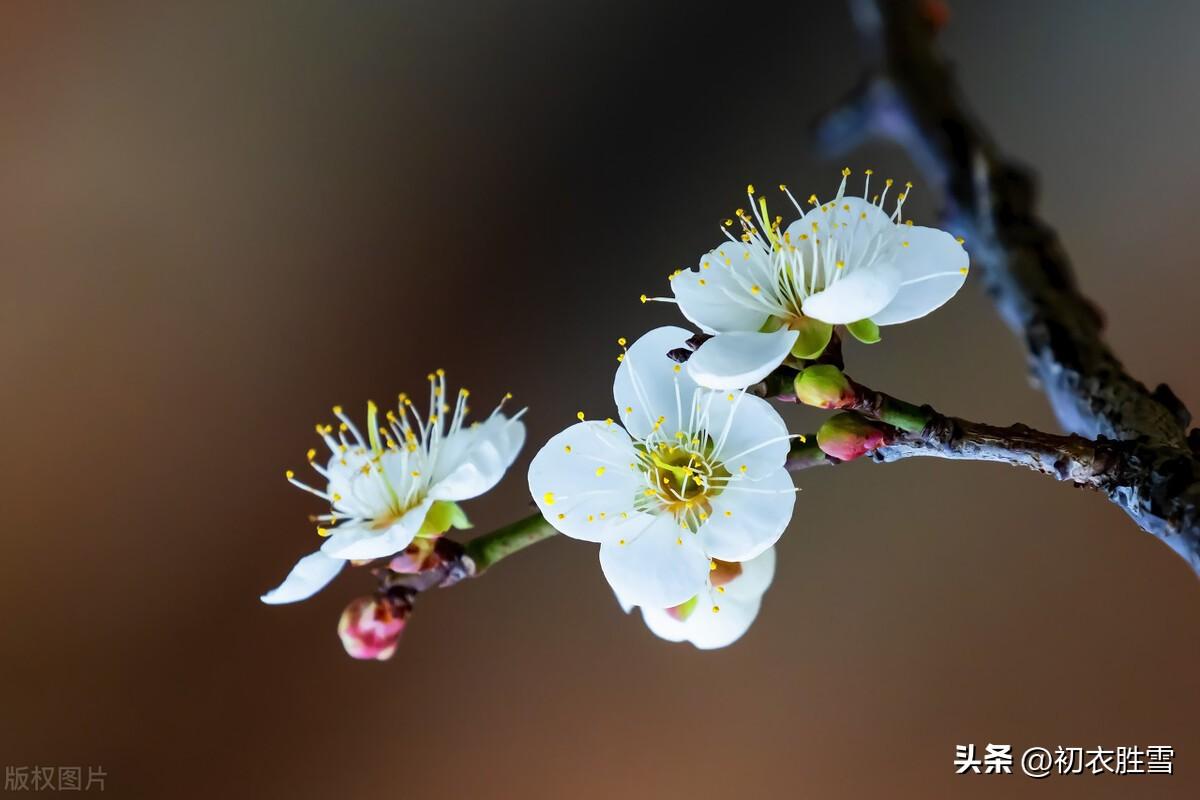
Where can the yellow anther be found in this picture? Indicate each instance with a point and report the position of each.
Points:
(963, 270)
(620, 357)
(755, 289)
(548, 498)
(441, 373)
(812, 198)
(679, 540)
(841, 264)
(846, 207)
(676, 369)
(620, 541)
(628, 409)
(729, 397)
(343, 427)
(868, 172)
(322, 531)
(783, 187)
(703, 282)
(591, 518)
(337, 411)
(643, 298)
(415, 473)
(729, 513)
(960, 240)
(337, 498)
(579, 416)
(562, 516)
(888, 182)
(905, 244)
(750, 188)
(621, 341)
(845, 172)
(290, 474)
(716, 609)
(727, 223)
(311, 454)
(608, 421)
(648, 493)
(712, 566)
(721, 589)
(742, 468)
(567, 449)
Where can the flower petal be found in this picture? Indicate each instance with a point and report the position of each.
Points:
(859, 294)
(308, 577)
(476, 458)
(739, 606)
(646, 382)
(748, 431)
(359, 543)
(660, 567)
(748, 517)
(932, 269)
(737, 360)
(714, 298)
(584, 481)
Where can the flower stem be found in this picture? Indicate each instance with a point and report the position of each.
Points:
(486, 550)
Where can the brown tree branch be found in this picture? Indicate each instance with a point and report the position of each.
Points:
(910, 96)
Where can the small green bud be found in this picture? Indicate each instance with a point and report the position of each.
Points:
(865, 331)
(814, 337)
(823, 386)
(848, 435)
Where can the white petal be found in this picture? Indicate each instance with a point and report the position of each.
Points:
(660, 568)
(930, 252)
(715, 299)
(750, 433)
(858, 223)
(748, 517)
(476, 458)
(737, 360)
(361, 543)
(308, 577)
(860, 294)
(584, 483)
(738, 604)
(646, 382)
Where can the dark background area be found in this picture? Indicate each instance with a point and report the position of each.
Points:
(217, 220)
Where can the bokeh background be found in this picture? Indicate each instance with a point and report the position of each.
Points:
(218, 219)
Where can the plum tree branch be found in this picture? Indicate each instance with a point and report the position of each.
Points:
(910, 96)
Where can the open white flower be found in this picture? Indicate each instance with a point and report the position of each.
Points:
(401, 481)
(693, 475)
(775, 292)
(722, 612)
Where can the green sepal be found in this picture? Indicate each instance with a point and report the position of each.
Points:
(814, 337)
(772, 324)
(865, 331)
(441, 517)
(684, 610)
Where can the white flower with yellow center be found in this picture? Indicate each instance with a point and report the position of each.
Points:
(777, 292)
(690, 475)
(736, 589)
(401, 481)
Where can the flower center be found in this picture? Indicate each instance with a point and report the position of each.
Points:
(682, 479)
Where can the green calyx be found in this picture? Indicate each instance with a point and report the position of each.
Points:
(823, 386)
(441, 517)
(814, 335)
(865, 331)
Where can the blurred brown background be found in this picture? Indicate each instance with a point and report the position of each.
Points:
(218, 219)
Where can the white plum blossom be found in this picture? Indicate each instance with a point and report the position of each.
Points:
(778, 291)
(689, 475)
(722, 612)
(400, 481)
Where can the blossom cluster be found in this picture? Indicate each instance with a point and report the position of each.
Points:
(685, 488)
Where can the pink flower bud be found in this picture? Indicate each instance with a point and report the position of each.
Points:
(370, 627)
(417, 557)
(824, 386)
(847, 436)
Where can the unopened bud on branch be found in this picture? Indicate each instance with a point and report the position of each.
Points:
(370, 627)
(824, 386)
(848, 435)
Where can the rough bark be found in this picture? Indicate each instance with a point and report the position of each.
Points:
(1140, 443)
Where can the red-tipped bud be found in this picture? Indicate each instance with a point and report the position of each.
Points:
(824, 386)
(847, 436)
(370, 627)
